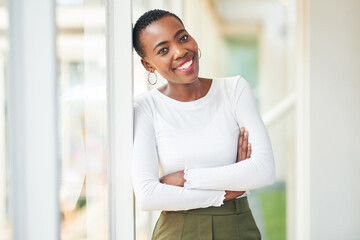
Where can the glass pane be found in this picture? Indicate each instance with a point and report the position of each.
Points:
(81, 49)
(5, 187)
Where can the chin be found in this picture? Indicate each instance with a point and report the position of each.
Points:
(191, 78)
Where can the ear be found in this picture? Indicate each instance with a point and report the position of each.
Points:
(147, 65)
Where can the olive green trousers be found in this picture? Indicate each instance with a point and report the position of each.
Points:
(232, 221)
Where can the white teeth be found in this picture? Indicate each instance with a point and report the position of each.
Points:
(186, 65)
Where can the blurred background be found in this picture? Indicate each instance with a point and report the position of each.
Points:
(268, 42)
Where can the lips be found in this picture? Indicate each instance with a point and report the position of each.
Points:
(186, 65)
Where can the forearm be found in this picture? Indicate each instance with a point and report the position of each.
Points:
(222, 179)
(177, 179)
(153, 195)
(240, 176)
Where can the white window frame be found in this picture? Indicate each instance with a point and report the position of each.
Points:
(299, 182)
(33, 120)
(120, 117)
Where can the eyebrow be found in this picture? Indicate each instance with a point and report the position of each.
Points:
(164, 42)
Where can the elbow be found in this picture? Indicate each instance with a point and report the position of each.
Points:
(264, 179)
(145, 199)
(145, 202)
(143, 205)
(265, 176)
(269, 173)
(268, 177)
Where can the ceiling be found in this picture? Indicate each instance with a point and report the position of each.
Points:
(247, 17)
(237, 11)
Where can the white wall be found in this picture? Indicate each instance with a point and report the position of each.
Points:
(3, 167)
(334, 119)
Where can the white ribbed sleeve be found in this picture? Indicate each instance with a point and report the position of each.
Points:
(256, 172)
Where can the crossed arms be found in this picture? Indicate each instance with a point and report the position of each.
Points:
(202, 187)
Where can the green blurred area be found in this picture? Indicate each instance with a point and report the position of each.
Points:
(243, 59)
(273, 203)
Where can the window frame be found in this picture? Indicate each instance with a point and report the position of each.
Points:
(120, 118)
(33, 120)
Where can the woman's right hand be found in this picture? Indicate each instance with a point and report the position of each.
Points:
(175, 179)
(244, 152)
(232, 194)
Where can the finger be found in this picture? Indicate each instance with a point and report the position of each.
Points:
(240, 141)
(244, 145)
(248, 154)
(241, 137)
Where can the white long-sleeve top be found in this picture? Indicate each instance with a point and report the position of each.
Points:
(200, 137)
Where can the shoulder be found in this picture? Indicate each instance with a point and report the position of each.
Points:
(234, 81)
(143, 104)
(145, 99)
(234, 85)
(142, 98)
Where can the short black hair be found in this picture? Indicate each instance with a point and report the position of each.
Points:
(145, 20)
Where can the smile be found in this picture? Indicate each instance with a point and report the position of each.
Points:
(185, 65)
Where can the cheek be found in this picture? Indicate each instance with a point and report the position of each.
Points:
(193, 42)
(195, 45)
(163, 64)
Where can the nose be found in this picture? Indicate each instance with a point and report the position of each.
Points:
(179, 52)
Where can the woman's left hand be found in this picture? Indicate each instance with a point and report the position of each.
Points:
(175, 179)
(244, 147)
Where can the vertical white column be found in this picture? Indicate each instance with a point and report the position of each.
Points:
(33, 120)
(120, 110)
(334, 88)
(3, 186)
(298, 217)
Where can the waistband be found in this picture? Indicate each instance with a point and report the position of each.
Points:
(234, 206)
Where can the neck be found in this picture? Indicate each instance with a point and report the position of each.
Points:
(187, 92)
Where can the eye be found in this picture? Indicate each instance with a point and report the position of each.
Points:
(184, 38)
(162, 51)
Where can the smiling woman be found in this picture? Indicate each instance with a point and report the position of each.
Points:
(194, 129)
(170, 50)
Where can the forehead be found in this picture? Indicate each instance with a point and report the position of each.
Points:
(161, 30)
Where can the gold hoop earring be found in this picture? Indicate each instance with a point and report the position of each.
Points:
(148, 77)
(199, 53)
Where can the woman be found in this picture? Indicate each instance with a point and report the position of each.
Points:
(194, 129)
